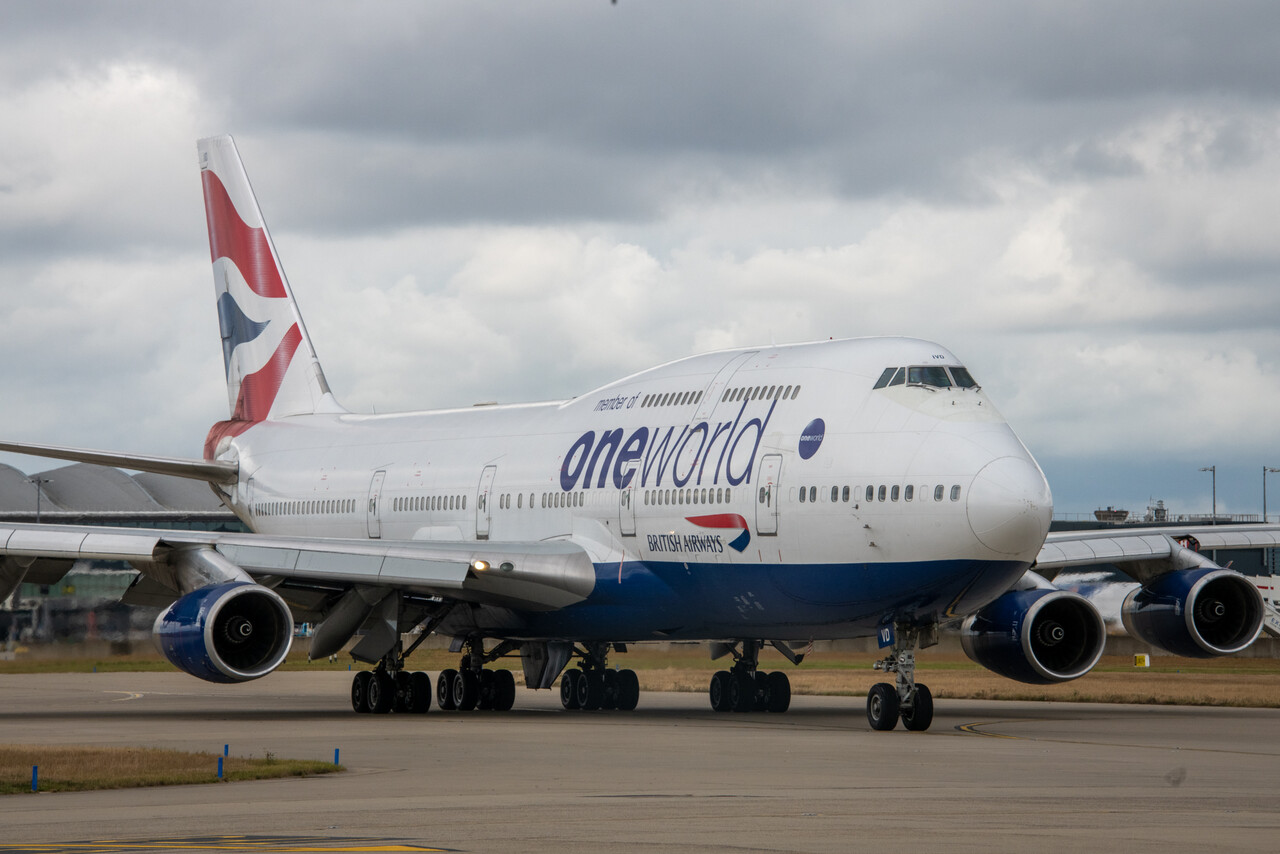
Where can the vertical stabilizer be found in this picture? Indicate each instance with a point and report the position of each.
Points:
(272, 369)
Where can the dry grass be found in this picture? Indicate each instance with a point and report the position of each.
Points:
(75, 768)
(687, 667)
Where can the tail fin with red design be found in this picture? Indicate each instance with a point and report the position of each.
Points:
(272, 369)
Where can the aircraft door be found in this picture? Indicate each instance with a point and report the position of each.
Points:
(375, 495)
(484, 508)
(711, 397)
(627, 511)
(768, 495)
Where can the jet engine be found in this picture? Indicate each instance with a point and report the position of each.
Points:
(230, 632)
(1038, 636)
(1198, 613)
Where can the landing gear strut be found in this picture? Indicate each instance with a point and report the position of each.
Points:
(907, 699)
(471, 686)
(744, 688)
(594, 686)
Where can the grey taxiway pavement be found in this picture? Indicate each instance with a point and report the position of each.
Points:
(671, 776)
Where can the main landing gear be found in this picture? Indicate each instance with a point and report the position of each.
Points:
(391, 688)
(472, 687)
(907, 699)
(743, 688)
(593, 685)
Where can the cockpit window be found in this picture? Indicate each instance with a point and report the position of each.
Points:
(885, 377)
(963, 378)
(899, 377)
(930, 375)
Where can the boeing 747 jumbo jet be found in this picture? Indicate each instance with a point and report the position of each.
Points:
(754, 498)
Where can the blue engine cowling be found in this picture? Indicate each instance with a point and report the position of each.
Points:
(1198, 613)
(1039, 636)
(226, 633)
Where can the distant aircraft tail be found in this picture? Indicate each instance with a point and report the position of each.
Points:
(272, 369)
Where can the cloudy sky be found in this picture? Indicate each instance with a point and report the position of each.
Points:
(502, 201)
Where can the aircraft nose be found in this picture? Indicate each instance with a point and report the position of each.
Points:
(1009, 506)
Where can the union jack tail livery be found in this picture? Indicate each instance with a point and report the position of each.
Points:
(272, 369)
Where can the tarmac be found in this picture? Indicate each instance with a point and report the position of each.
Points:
(673, 776)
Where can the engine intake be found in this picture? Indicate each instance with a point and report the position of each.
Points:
(226, 633)
(1039, 636)
(1200, 613)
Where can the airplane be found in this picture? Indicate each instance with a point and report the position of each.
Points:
(754, 498)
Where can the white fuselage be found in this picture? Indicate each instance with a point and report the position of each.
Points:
(765, 490)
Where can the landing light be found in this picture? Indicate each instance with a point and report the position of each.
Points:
(479, 565)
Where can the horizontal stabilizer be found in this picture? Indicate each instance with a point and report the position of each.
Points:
(212, 471)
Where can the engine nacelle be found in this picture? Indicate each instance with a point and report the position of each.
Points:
(227, 632)
(1039, 636)
(1197, 613)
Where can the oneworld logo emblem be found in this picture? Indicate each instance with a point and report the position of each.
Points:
(811, 439)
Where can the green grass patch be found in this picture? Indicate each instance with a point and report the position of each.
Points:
(72, 768)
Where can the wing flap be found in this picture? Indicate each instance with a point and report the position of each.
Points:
(534, 575)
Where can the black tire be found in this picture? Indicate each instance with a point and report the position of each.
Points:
(779, 692)
(382, 694)
(401, 705)
(882, 707)
(761, 702)
(504, 690)
(920, 715)
(569, 689)
(719, 691)
(590, 691)
(484, 700)
(609, 694)
(742, 692)
(444, 690)
(466, 690)
(360, 691)
(628, 690)
(419, 695)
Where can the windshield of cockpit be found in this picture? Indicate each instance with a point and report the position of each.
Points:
(928, 376)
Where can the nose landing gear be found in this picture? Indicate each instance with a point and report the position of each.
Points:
(906, 699)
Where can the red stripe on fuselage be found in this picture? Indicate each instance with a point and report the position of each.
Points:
(718, 520)
(258, 390)
(230, 237)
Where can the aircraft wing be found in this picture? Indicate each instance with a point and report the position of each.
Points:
(536, 575)
(1145, 547)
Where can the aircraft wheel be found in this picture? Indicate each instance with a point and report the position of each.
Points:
(444, 690)
(484, 701)
(504, 690)
(590, 691)
(779, 691)
(719, 691)
(742, 692)
(360, 691)
(569, 689)
(920, 715)
(419, 694)
(882, 706)
(760, 701)
(402, 699)
(466, 690)
(628, 690)
(381, 697)
(609, 692)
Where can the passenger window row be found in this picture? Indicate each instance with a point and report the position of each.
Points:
(884, 492)
(766, 392)
(702, 495)
(671, 398)
(428, 503)
(310, 507)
